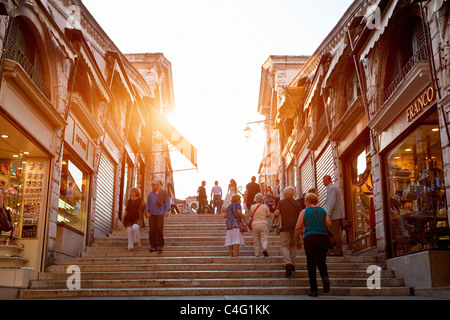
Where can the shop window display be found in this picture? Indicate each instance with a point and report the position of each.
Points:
(362, 202)
(12, 187)
(72, 199)
(417, 202)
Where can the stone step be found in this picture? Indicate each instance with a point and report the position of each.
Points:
(178, 246)
(211, 282)
(195, 262)
(173, 252)
(205, 291)
(183, 252)
(191, 241)
(206, 274)
(170, 253)
(157, 258)
(177, 267)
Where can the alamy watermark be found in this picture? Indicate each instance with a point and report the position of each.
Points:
(74, 280)
(373, 16)
(374, 281)
(74, 19)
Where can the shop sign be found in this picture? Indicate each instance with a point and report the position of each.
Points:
(79, 141)
(424, 100)
(111, 147)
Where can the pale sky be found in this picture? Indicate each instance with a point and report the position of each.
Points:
(217, 49)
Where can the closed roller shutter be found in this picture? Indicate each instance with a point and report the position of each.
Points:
(306, 175)
(105, 197)
(324, 166)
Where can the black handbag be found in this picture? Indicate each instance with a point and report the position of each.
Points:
(331, 239)
(5, 220)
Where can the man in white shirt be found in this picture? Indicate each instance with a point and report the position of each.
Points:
(216, 195)
(334, 206)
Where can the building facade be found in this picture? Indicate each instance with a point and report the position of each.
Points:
(276, 104)
(80, 125)
(373, 114)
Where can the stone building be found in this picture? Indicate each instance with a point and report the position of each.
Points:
(373, 114)
(80, 125)
(276, 73)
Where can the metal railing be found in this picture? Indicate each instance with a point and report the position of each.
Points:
(420, 55)
(13, 52)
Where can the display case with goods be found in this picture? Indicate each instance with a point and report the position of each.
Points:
(418, 204)
(14, 269)
(12, 185)
(33, 197)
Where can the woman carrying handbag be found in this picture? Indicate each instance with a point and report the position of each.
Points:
(235, 221)
(315, 222)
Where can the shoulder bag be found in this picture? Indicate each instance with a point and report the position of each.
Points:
(251, 220)
(242, 226)
(331, 239)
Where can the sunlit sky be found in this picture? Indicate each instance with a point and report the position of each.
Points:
(217, 49)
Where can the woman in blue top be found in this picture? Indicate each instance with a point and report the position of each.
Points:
(315, 222)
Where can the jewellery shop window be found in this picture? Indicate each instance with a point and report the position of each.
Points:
(417, 203)
(72, 199)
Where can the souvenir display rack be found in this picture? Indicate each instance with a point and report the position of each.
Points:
(13, 270)
(12, 181)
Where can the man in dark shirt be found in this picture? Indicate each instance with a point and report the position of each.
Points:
(202, 198)
(289, 209)
(252, 188)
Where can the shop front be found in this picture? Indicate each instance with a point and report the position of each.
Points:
(416, 221)
(24, 184)
(359, 195)
(75, 189)
(415, 182)
(29, 124)
(105, 203)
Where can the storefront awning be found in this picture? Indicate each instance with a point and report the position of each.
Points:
(378, 28)
(84, 53)
(337, 54)
(173, 136)
(291, 99)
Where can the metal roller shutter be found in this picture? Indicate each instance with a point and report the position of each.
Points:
(105, 197)
(324, 166)
(306, 175)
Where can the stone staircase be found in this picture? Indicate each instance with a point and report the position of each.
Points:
(195, 262)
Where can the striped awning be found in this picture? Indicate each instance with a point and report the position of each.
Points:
(378, 28)
(174, 136)
(290, 102)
